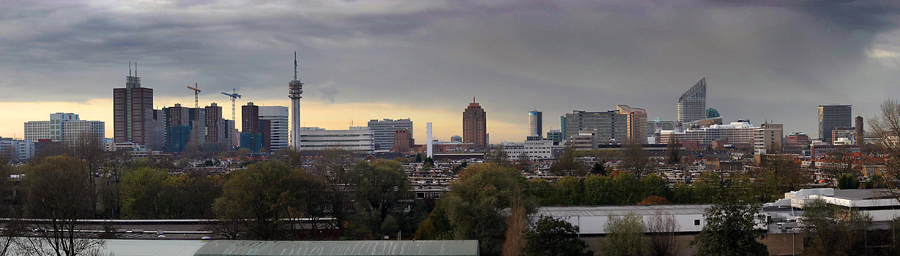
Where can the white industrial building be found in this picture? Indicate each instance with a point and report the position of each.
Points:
(591, 220)
(881, 204)
(278, 117)
(357, 139)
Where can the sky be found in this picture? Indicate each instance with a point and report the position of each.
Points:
(426, 60)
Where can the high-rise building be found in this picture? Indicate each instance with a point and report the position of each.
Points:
(214, 123)
(637, 123)
(692, 104)
(65, 127)
(250, 118)
(277, 118)
(177, 127)
(296, 93)
(132, 111)
(768, 137)
(475, 126)
(384, 131)
(535, 123)
(608, 127)
(832, 116)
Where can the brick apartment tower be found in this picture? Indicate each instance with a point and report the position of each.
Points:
(475, 126)
(860, 132)
(213, 115)
(250, 118)
(132, 110)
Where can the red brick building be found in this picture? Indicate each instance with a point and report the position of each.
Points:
(475, 126)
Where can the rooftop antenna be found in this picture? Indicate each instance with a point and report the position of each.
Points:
(129, 68)
(135, 68)
(473, 100)
(295, 65)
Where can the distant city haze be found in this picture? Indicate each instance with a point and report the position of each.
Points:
(425, 60)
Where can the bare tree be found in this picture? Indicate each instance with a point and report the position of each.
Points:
(57, 193)
(886, 128)
(636, 160)
(661, 228)
(7, 210)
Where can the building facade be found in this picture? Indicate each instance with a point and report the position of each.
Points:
(610, 127)
(535, 123)
(832, 116)
(132, 111)
(356, 139)
(530, 150)
(385, 129)
(277, 117)
(636, 120)
(475, 126)
(556, 136)
(692, 104)
(64, 127)
(768, 137)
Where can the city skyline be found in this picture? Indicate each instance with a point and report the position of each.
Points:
(374, 60)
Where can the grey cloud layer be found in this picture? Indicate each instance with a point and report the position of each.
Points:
(762, 59)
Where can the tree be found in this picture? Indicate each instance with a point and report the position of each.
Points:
(551, 236)
(259, 198)
(636, 160)
(476, 202)
(567, 165)
(886, 128)
(654, 200)
(673, 151)
(833, 231)
(877, 181)
(140, 193)
(380, 187)
(624, 236)
(848, 181)
(598, 168)
(57, 190)
(661, 229)
(730, 227)
(7, 210)
(332, 170)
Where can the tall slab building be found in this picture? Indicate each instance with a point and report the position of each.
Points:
(132, 111)
(636, 126)
(277, 117)
(692, 104)
(832, 116)
(384, 130)
(475, 125)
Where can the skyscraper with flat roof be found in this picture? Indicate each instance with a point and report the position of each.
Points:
(535, 121)
(832, 116)
(637, 123)
(607, 127)
(692, 104)
(475, 125)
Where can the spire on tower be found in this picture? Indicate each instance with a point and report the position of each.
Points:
(135, 68)
(295, 65)
(129, 68)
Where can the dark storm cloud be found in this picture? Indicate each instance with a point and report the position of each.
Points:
(762, 59)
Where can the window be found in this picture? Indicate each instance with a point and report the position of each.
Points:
(696, 222)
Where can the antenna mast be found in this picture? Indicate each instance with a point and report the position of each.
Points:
(295, 65)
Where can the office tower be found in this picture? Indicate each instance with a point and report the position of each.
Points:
(277, 116)
(832, 116)
(65, 127)
(608, 127)
(132, 110)
(475, 126)
(177, 127)
(692, 104)
(456, 138)
(296, 93)
(556, 136)
(860, 132)
(768, 137)
(357, 139)
(535, 123)
(636, 123)
(384, 131)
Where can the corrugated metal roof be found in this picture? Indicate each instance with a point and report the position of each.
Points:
(152, 247)
(569, 211)
(342, 248)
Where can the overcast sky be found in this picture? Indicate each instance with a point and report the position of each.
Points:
(361, 60)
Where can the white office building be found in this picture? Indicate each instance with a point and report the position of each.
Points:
(356, 139)
(530, 150)
(278, 117)
(64, 127)
(16, 150)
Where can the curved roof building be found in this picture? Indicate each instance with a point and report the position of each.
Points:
(692, 104)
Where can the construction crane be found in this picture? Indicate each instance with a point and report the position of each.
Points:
(197, 107)
(233, 96)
